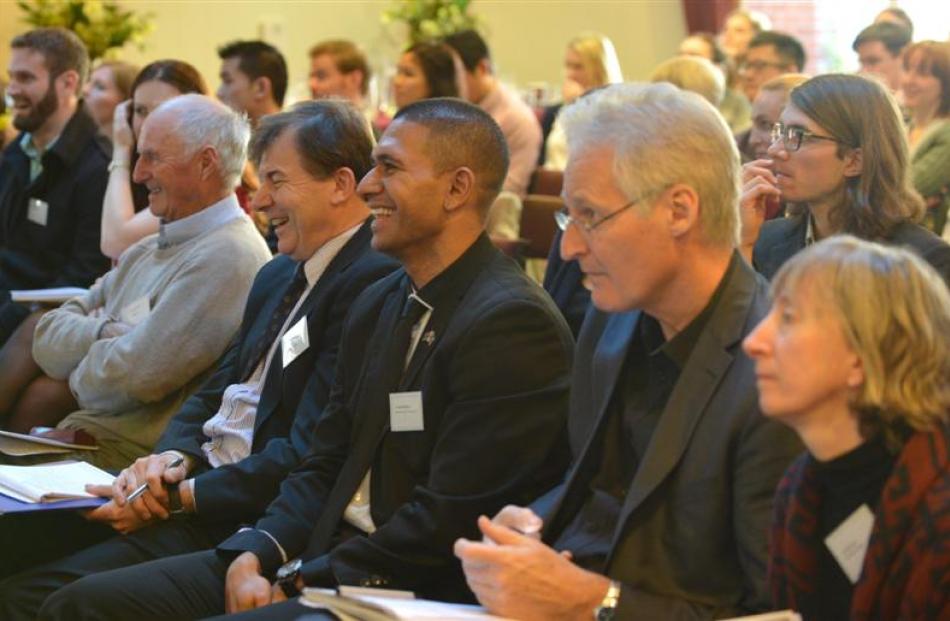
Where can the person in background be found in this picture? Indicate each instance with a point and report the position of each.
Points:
(855, 357)
(692, 74)
(896, 15)
(124, 217)
(766, 109)
(338, 68)
(770, 54)
(739, 28)
(734, 106)
(926, 90)
(879, 48)
(840, 152)
(253, 78)
(590, 62)
(7, 131)
(426, 71)
(109, 84)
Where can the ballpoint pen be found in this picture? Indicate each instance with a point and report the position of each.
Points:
(138, 491)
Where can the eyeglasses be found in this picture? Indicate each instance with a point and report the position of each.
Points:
(588, 221)
(792, 136)
(759, 65)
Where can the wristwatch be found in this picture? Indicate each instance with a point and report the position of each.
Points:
(287, 577)
(608, 606)
(174, 500)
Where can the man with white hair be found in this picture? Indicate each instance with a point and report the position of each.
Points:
(665, 511)
(142, 339)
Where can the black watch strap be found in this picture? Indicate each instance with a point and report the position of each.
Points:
(174, 500)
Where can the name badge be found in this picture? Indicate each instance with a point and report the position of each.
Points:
(849, 542)
(405, 411)
(136, 311)
(295, 341)
(37, 211)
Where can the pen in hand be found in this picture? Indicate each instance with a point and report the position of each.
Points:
(138, 491)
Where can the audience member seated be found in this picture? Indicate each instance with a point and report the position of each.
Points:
(738, 30)
(590, 62)
(926, 91)
(734, 107)
(124, 217)
(52, 176)
(427, 70)
(840, 153)
(138, 343)
(855, 357)
(253, 421)
(879, 48)
(7, 131)
(474, 357)
(338, 68)
(696, 75)
(896, 15)
(109, 84)
(768, 105)
(564, 282)
(253, 78)
(665, 511)
(770, 54)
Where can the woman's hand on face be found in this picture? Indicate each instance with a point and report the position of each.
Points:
(122, 136)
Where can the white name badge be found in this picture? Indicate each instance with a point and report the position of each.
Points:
(136, 311)
(849, 542)
(37, 211)
(405, 411)
(295, 341)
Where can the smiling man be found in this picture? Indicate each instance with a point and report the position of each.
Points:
(253, 78)
(665, 510)
(253, 420)
(52, 176)
(449, 402)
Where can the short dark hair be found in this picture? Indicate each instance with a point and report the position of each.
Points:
(329, 133)
(257, 59)
(893, 36)
(900, 15)
(461, 134)
(62, 50)
(470, 46)
(347, 57)
(438, 67)
(177, 73)
(787, 47)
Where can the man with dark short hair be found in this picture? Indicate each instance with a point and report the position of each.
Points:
(253, 420)
(338, 68)
(879, 48)
(253, 78)
(448, 403)
(52, 176)
(770, 54)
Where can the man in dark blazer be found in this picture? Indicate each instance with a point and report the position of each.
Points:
(665, 510)
(254, 419)
(449, 402)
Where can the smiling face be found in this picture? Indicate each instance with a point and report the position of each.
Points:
(921, 88)
(410, 83)
(237, 89)
(101, 96)
(405, 193)
(169, 174)
(804, 366)
(628, 259)
(148, 96)
(295, 203)
(34, 94)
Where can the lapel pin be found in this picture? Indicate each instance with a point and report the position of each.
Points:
(429, 337)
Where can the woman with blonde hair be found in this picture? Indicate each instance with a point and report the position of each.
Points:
(839, 153)
(109, 84)
(590, 62)
(855, 357)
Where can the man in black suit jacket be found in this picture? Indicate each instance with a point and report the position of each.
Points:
(449, 402)
(665, 511)
(254, 419)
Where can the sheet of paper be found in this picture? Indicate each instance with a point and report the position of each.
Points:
(37, 211)
(47, 482)
(405, 411)
(295, 341)
(18, 444)
(848, 542)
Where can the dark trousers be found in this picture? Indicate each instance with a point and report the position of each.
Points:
(91, 551)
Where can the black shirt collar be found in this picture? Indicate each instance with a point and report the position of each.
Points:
(456, 278)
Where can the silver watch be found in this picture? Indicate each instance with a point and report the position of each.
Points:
(608, 606)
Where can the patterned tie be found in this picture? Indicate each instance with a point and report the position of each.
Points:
(277, 320)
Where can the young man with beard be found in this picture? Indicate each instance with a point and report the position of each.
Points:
(52, 176)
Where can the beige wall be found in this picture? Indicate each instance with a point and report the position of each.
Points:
(527, 37)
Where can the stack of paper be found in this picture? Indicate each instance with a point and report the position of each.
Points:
(353, 607)
(19, 444)
(51, 482)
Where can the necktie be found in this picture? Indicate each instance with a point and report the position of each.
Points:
(287, 303)
(412, 311)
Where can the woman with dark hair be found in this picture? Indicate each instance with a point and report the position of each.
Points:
(839, 154)
(124, 217)
(855, 357)
(424, 71)
(926, 90)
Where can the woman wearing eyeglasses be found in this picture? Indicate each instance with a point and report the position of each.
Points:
(839, 153)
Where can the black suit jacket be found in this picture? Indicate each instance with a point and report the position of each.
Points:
(691, 538)
(781, 238)
(564, 282)
(494, 380)
(292, 398)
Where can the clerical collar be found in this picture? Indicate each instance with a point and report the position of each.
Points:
(456, 278)
(204, 221)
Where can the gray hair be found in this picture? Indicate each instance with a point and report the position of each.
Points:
(697, 75)
(200, 121)
(661, 136)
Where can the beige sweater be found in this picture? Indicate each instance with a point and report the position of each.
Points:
(128, 387)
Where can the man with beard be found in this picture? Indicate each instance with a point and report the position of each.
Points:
(52, 176)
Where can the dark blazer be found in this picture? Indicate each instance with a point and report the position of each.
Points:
(691, 539)
(494, 382)
(564, 282)
(292, 398)
(781, 238)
